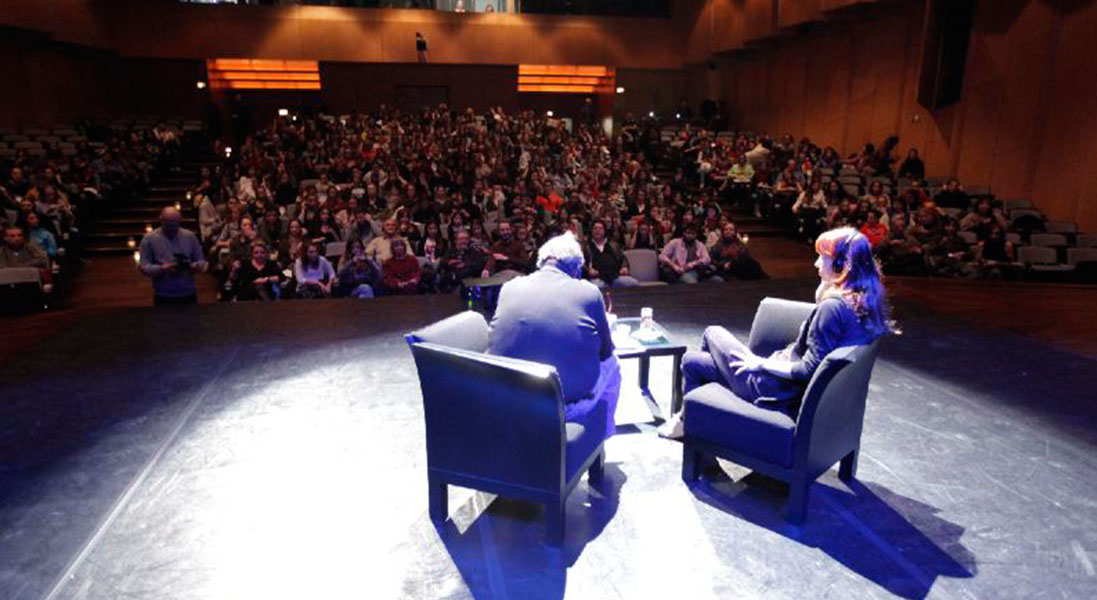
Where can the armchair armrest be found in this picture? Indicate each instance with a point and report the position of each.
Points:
(776, 324)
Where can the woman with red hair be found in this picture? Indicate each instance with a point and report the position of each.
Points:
(850, 310)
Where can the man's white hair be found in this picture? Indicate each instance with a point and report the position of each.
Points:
(564, 249)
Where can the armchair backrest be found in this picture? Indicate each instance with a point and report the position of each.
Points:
(466, 330)
(492, 418)
(833, 409)
(776, 324)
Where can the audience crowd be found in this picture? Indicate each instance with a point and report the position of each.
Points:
(409, 203)
(914, 230)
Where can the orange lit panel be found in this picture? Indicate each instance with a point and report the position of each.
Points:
(567, 79)
(591, 71)
(263, 74)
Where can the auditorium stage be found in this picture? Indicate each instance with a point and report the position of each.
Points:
(271, 451)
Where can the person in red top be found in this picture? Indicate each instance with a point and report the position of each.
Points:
(873, 229)
(401, 273)
(551, 204)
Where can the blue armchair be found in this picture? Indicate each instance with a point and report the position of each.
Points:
(795, 448)
(496, 424)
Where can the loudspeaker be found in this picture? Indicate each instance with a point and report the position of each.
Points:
(944, 52)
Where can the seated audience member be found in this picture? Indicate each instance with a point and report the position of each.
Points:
(685, 259)
(982, 219)
(409, 231)
(731, 258)
(293, 245)
(914, 197)
(40, 235)
(926, 226)
(209, 218)
(873, 229)
(462, 261)
(913, 167)
(607, 264)
(810, 210)
(554, 317)
(432, 245)
(362, 228)
(850, 310)
(509, 252)
(876, 196)
(952, 196)
(950, 255)
(995, 255)
(272, 228)
(259, 277)
(380, 248)
(17, 252)
(642, 237)
(313, 273)
(401, 273)
(358, 275)
(901, 254)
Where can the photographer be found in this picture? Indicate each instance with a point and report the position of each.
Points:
(170, 256)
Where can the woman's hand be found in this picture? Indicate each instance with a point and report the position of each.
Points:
(752, 364)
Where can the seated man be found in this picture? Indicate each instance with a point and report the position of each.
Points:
(510, 252)
(380, 248)
(554, 317)
(16, 252)
(685, 259)
(607, 264)
(461, 262)
(401, 273)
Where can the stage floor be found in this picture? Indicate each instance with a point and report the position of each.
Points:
(276, 450)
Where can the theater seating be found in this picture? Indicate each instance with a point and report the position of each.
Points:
(496, 424)
(796, 448)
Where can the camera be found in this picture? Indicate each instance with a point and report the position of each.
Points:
(182, 263)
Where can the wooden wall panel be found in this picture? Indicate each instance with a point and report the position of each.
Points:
(796, 12)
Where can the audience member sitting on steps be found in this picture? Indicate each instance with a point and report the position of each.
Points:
(358, 275)
(732, 259)
(313, 273)
(401, 273)
(259, 277)
(685, 259)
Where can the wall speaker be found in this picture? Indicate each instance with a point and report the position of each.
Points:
(944, 52)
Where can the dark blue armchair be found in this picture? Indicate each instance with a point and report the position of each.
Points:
(795, 448)
(496, 424)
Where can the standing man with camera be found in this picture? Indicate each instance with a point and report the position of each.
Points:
(170, 256)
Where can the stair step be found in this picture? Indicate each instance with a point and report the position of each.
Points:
(107, 250)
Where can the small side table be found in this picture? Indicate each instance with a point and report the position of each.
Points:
(664, 346)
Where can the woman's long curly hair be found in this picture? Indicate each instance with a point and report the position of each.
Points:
(859, 282)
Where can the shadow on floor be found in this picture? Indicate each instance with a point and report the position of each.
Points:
(500, 551)
(896, 542)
